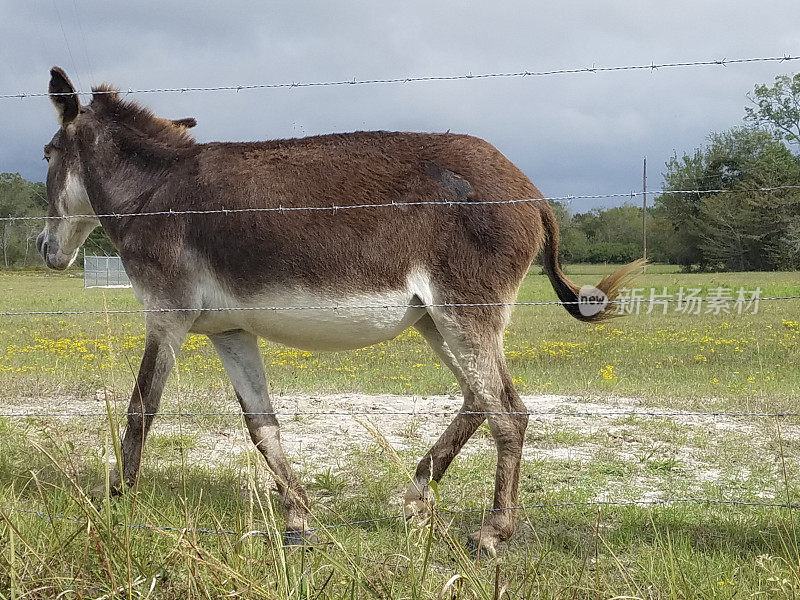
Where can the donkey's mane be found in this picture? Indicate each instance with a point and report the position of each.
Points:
(137, 121)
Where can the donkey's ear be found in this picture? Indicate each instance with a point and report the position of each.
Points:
(186, 123)
(63, 96)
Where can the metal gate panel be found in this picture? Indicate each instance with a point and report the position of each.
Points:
(104, 271)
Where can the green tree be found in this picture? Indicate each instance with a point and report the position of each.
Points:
(737, 228)
(19, 198)
(776, 108)
(612, 235)
(663, 244)
(98, 243)
(573, 244)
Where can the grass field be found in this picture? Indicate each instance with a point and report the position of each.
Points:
(689, 360)
(673, 361)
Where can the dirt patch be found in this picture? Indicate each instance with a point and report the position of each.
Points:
(658, 447)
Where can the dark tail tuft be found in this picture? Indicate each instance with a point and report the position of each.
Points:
(567, 291)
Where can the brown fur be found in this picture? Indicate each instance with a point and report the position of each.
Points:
(131, 161)
(493, 243)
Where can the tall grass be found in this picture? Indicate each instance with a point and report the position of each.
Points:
(195, 528)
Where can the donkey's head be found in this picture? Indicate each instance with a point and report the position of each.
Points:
(71, 216)
(93, 142)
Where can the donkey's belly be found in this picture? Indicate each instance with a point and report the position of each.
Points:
(315, 321)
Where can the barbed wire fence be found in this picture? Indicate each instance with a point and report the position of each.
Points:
(652, 66)
(672, 501)
(387, 205)
(450, 512)
(409, 413)
(665, 502)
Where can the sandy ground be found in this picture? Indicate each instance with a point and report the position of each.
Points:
(318, 442)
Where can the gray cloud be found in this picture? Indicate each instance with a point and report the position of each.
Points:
(573, 134)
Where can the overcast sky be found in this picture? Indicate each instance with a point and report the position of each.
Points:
(572, 134)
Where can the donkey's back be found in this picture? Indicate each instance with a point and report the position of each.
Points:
(423, 194)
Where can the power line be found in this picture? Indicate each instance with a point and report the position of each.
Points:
(66, 42)
(424, 78)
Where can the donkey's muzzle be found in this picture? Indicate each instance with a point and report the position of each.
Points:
(45, 248)
(51, 252)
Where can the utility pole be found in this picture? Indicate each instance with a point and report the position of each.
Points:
(644, 209)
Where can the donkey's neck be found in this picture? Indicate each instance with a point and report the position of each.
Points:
(122, 180)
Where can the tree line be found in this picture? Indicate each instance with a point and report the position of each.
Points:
(19, 198)
(715, 213)
(22, 198)
(725, 221)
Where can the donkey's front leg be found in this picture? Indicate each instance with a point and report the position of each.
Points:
(162, 341)
(242, 359)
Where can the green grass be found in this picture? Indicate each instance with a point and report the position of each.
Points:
(750, 362)
(687, 360)
(683, 551)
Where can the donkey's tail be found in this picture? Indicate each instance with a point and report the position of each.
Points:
(585, 304)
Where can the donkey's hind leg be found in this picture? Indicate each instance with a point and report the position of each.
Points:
(435, 462)
(475, 337)
(242, 359)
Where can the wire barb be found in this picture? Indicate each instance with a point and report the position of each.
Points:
(424, 78)
(394, 204)
(201, 309)
(441, 413)
(665, 502)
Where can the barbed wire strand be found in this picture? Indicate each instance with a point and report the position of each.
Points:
(519, 508)
(242, 534)
(409, 413)
(393, 205)
(425, 78)
(666, 502)
(345, 307)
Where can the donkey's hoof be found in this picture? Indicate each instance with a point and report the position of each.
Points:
(417, 509)
(418, 501)
(98, 492)
(483, 542)
(300, 537)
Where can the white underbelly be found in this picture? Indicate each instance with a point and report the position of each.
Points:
(313, 321)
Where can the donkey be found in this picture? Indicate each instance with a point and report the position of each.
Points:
(448, 267)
